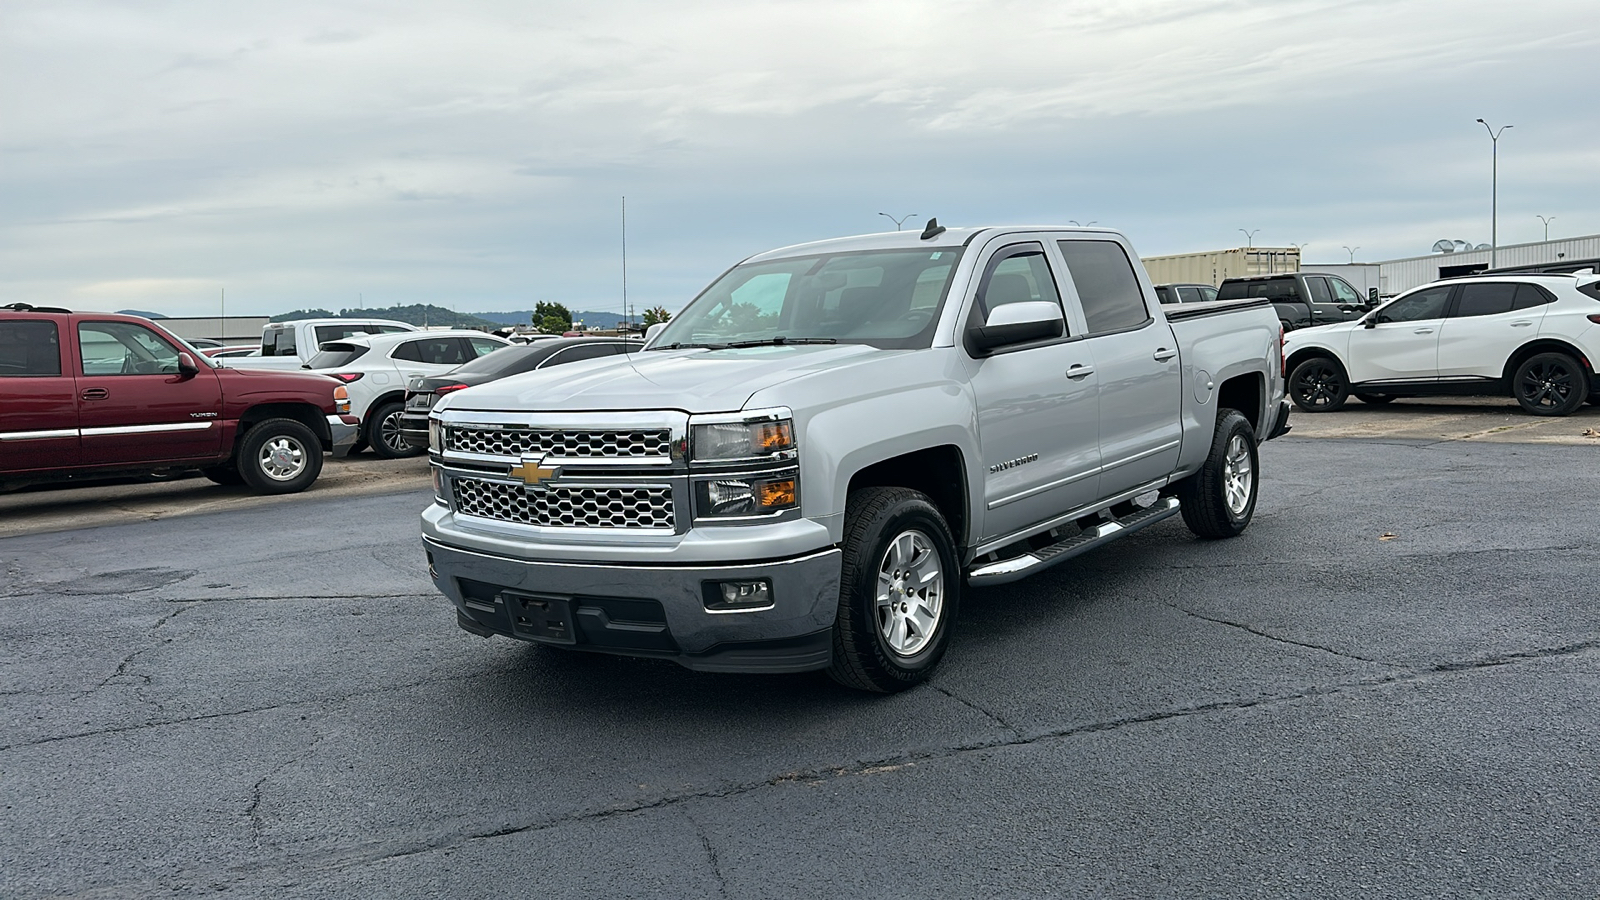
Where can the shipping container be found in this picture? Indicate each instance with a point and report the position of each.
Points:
(1213, 266)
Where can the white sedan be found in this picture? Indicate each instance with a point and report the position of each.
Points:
(377, 367)
(1533, 337)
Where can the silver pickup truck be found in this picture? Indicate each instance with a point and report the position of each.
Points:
(805, 466)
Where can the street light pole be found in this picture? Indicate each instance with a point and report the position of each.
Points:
(1075, 222)
(1250, 238)
(1494, 189)
(896, 221)
(1546, 222)
(1352, 251)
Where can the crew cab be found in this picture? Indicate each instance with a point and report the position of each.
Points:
(91, 395)
(1534, 337)
(805, 466)
(290, 345)
(1302, 299)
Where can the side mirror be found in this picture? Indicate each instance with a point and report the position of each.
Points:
(651, 332)
(1015, 323)
(1372, 296)
(1370, 322)
(186, 365)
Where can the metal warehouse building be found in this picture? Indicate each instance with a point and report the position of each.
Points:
(1398, 275)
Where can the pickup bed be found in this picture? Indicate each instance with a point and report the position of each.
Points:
(290, 345)
(804, 468)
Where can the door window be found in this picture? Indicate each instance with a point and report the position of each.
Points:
(278, 342)
(1319, 289)
(1424, 304)
(1208, 293)
(1107, 286)
(484, 346)
(122, 348)
(1167, 294)
(1484, 300)
(1343, 292)
(1020, 275)
(440, 351)
(29, 348)
(1189, 295)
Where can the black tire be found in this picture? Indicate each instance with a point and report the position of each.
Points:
(225, 475)
(879, 523)
(1318, 385)
(1550, 384)
(1376, 399)
(384, 435)
(1214, 504)
(279, 456)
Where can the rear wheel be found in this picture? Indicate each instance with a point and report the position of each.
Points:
(279, 456)
(1318, 385)
(898, 591)
(1376, 399)
(384, 435)
(1550, 384)
(1220, 499)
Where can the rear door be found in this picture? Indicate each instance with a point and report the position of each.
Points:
(1136, 362)
(1488, 321)
(424, 356)
(1403, 345)
(38, 396)
(134, 406)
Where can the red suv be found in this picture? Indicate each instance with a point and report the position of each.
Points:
(98, 394)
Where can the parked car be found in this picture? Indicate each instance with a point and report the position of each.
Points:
(290, 345)
(93, 395)
(1302, 299)
(423, 392)
(376, 368)
(1185, 293)
(802, 469)
(1535, 337)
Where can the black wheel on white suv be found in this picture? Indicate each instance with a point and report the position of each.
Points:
(279, 456)
(1220, 499)
(1550, 384)
(898, 591)
(1318, 385)
(384, 435)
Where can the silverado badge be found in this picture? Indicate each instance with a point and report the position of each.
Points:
(531, 471)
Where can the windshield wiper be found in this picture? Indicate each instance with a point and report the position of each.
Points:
(689, 345)
(780, 341)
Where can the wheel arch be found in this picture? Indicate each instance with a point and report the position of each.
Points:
(392, 396)
(1305, 353)
(1542, 345)
(304, 413)
(939, 471)
(1247, 394)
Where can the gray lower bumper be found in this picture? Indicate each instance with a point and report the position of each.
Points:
(342, 434)
(654, 610)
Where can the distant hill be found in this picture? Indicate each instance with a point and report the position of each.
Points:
(524, 316)
(140, 312)
(415, 314)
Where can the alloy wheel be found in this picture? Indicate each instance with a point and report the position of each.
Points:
(910, 597)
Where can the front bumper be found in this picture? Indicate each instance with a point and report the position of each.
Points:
(342, 434)
(648, 610)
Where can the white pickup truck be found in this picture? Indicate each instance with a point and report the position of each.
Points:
(803, 468)
(290, 345)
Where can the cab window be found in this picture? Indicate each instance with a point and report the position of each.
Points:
(1319, 289)
(122, 348)
(1424, 304)
(1016, 275)
(29, 348)
(1107, 287)
(1484, 300)
(1343, 292)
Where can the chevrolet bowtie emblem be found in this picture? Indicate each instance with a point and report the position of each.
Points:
(532, 471)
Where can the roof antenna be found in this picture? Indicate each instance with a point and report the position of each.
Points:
(933, 230)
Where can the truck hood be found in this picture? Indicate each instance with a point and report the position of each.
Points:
(695, 381)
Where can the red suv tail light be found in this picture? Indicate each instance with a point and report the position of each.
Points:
(348, 377)
(448, 388)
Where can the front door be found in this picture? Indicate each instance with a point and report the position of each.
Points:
(134, 406)
(1136, 360)
(1038, 414)
(38, 397)
(1403, 345)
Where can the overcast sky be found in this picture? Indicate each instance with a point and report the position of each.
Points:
(474, 153)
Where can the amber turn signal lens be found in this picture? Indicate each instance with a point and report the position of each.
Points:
(773, 436)
(777, 494)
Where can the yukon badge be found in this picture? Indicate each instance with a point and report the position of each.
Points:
(533, 473)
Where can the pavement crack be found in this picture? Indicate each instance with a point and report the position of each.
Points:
(711, 854)
(122, 667)
(986, 713)
(1273, 637)
(253, 811)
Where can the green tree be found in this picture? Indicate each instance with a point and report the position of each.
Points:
(655, 315)
(551, 318)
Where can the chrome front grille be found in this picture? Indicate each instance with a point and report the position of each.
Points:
(648, 444)
(559, 506)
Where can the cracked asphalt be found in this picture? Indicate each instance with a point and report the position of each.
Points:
(1388, 687)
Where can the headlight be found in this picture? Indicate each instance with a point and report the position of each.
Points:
(745, 496)
(435, 445)
(762, 439)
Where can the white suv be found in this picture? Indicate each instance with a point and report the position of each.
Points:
(1535, 337)
(376, 368)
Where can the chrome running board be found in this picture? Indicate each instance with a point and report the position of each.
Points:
(1007, 570)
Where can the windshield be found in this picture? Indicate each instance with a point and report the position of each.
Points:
(889, 299)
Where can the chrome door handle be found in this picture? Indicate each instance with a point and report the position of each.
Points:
(1423, 331)
(1164, 354)
(1079, 371)
(95, 394)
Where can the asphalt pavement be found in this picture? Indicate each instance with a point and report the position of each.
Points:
(1389, 686)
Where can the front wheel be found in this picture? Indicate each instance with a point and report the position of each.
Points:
(1550, 384)
(898, 591)
(1318, 385)
(1219, 500)
(279, 456)
(384, 434)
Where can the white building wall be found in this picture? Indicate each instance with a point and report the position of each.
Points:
(1400, 275)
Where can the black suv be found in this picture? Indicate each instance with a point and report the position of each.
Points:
(1301, 298)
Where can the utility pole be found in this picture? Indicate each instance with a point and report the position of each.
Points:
(222, 328)
(625, 260)
(1494, 190)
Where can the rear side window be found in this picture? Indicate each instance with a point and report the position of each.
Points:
(484, 346)
(29, 348)
(1485, 300)
(1165, 294)
(1189, 295)
(1107, 286)
(336, 355)
(278, 342)
(442, 351)
(1319, 290)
